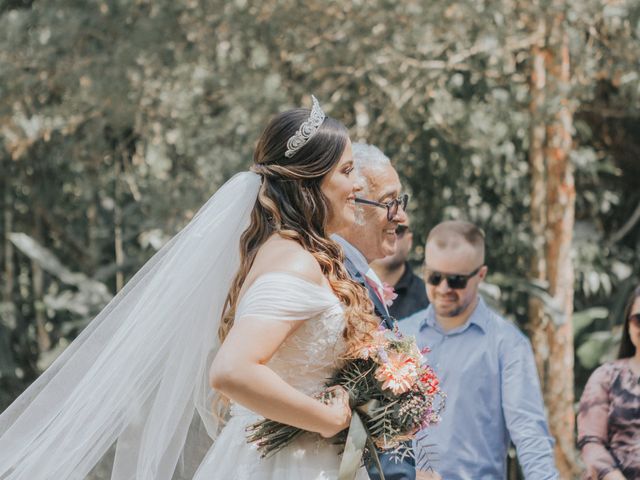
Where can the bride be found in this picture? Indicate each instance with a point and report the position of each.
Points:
(248, 306)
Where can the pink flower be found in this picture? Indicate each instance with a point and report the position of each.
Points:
(388, 294)
(398, 373)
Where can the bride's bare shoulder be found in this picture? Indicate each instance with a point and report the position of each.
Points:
(284, 255)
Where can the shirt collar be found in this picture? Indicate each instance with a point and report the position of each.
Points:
(359, 262)
(357, 258)
(478, 318)
(373, 276)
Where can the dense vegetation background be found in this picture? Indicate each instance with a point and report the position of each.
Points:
(119, 118)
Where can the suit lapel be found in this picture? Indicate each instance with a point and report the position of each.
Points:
(379, 308)
(381, 311)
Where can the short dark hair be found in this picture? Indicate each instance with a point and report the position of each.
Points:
(627, 348)
(443, 234)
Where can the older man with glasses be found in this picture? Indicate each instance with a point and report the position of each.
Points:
(485, 365)
(380, 209)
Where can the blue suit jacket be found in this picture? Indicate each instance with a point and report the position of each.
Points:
(379, 309)
(392, 470)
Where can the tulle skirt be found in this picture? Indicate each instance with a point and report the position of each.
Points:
(309, 457)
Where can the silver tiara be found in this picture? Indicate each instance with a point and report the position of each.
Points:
(307, 130)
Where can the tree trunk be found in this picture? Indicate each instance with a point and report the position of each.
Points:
(8, 317)
(42, 336)
(8, 279)
(8, 309)
(92, 237)
(117, 220)
(552, 217)
(538, 272)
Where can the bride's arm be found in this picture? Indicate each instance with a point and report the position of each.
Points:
(239, 372)
(239, 369)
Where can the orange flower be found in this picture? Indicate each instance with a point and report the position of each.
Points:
(398, 373)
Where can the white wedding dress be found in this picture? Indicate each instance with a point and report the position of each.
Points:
(305, 360)
(136, 379)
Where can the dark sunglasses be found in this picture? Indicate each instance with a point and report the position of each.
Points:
(401, 230)
(391, 206)
(456, 281)
(635, 319)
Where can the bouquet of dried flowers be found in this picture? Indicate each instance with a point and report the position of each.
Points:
(393, 394)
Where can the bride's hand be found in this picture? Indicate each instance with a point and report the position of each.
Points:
(339, 412)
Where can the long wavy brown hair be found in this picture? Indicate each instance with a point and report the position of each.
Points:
(291, 204)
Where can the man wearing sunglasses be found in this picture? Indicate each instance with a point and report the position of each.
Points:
(485, 365)
(379, 209)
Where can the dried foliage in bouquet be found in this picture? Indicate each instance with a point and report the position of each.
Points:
(393, 394)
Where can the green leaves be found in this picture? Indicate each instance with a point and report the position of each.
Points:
(138, 111)
(598, 348)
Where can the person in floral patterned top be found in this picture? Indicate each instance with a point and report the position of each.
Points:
(609, 417)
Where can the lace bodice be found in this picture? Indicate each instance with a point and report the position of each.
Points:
(304, 360)
(311, 354)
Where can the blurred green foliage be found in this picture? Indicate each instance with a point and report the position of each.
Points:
(118, 118)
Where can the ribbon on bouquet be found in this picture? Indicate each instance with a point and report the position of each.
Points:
(357, 439)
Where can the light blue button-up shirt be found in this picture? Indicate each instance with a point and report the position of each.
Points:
(487, 370)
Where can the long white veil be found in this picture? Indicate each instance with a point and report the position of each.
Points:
(138, 373)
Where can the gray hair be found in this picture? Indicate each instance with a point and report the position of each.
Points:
(366, 159)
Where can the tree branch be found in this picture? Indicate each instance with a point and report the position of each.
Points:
(627, 227)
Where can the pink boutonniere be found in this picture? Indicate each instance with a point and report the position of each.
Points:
(388, 294)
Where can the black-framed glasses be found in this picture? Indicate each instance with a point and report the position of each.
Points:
(391, 206)
(457, 281)
(401, 230)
